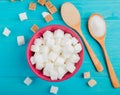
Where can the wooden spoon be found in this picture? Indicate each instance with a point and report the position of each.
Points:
(71, 17)
(97, 24)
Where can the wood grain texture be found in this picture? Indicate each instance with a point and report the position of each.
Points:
(14, 67)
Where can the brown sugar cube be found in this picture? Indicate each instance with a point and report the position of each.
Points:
(48, 18)
(48, 4)
(32, 6)
(34, 28)
(53, 10)
(92, 82)
(42, 2)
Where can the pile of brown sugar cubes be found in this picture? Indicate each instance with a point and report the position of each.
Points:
(46, 15)
(52, 9)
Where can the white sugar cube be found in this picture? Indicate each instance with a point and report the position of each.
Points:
(70, 68)
(74, 58)
(39, 58)
(6, 32)
(68, 49)
(44, 49)
(58, 33)
(39, 65)
(86, 75)
(57, 49)
(60, 61)
(66, 55)
(50, 42)
(58, 41)
(20, 40)
(38, 41)
(47, 35)
(61, 72)
(49, 65)
(78, 48)
(23, 16)
(32, 59)
(53, 74)
(45, 57)
(66, 41)
(92, 83)
(52, 56)
(48, 68)
(54, 89)
(35, 48)
(28, 81)
(44, 14)
(46, 72)
(67, 35)
(74, 41)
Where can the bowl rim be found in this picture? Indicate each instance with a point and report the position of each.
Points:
(34, 69)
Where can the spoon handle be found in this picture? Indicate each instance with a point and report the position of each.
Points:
(92, 55)
(111, 71)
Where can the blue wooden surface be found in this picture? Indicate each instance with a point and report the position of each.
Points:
(13, 64)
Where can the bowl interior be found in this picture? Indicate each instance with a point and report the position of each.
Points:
(39, 34)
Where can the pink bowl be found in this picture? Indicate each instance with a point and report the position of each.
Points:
(39, 34)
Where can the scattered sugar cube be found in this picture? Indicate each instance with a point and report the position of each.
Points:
(54, 89)
(44, 14)
(48, 4)
(70, 68)
(78, 48)
(60, 61)
(86, 75)
(23, 16)
(28, 81)
(34, 28)
(92, 83)
(48, 18)
(20, 40)
(42, 2)
(6, 32)
(32, 59)
(52, 10)
(32, 6)
(58, 34)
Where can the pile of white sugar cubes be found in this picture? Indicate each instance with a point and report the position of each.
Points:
(55, 53)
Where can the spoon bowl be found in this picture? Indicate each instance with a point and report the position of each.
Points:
(93, 31)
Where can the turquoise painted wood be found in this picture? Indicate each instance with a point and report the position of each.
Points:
(13, 64)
